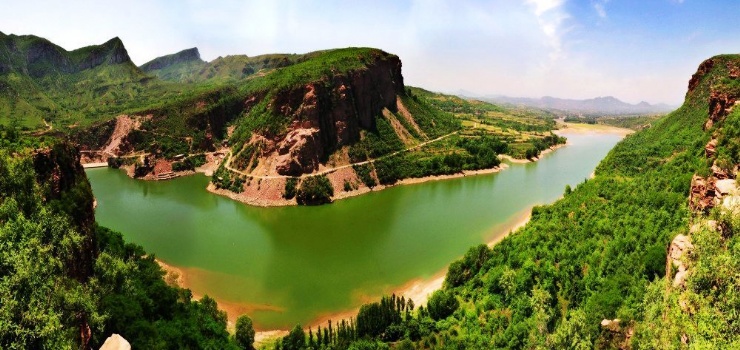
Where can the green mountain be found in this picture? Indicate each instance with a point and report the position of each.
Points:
(284, 117)
(187, 67)
(40, 81)
(642, 256)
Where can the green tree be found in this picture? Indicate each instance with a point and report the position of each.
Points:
(295, 340)
(244, 332)
(571, 334)
(442, 304)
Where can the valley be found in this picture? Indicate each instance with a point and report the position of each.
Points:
(185, 203)
(300, 263)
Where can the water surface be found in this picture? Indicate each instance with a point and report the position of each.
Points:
(297, 263)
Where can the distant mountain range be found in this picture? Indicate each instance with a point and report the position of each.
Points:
(598, 106)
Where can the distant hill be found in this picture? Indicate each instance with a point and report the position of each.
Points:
(186, 66)
(598, 106)
(40, 81)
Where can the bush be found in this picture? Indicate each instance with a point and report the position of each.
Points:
(442, 304)
(364, 172)
(290, 188)
(244, 332)
(315, 190)
(115, 162)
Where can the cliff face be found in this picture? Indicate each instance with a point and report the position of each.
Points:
(330, 114)
(39, 57)
(66, 188)
(111, 52)
(184, 56)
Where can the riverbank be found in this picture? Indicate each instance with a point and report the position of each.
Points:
(268, 191)
(417, 290)
(446, 211)
(578, 128)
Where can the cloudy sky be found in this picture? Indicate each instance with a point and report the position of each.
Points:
(632, 49)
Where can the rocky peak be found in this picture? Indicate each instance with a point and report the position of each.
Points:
(41, 54)
(111, 52)
(704, 68)
(188, 55)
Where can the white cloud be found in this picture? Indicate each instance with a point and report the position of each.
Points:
(600, 7)
(551, 16)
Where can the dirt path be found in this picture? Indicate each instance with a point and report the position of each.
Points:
(227, 164)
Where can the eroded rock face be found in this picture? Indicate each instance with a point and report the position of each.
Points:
(720, 105)
(327, 115)
(680, 247)
(704, 68)
(710, 150)
(299, 152)
(702, 195)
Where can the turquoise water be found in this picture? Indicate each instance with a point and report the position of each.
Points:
(291, 265)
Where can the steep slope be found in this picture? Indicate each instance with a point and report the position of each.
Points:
(588, 259)
(41, 81)
(66, 283)
(643, 255)
(696, 304)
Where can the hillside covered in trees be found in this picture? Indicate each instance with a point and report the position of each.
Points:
(642, 256)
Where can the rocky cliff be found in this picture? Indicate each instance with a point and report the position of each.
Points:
(184, 56)
(65, 186)
(327, 115)
(39, 57)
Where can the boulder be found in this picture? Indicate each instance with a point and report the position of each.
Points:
(725, 186)
(116, 342)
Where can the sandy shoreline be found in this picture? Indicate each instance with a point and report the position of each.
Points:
(573, 128)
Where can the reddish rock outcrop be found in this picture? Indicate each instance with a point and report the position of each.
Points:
(720, 105)
(702, 195)
(704, 68)
(326, 115)
(711, 148)
(734, 70)
(299, 152)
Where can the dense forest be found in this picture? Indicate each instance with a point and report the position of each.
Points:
(66, 281)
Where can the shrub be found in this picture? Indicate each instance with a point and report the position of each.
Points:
(442, 304)
(315, 190)
(290, 188)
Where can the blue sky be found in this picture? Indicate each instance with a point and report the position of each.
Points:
(632, 49)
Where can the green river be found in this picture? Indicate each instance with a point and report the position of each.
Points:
(291, 265)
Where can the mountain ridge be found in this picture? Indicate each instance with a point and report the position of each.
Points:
(602, 105)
